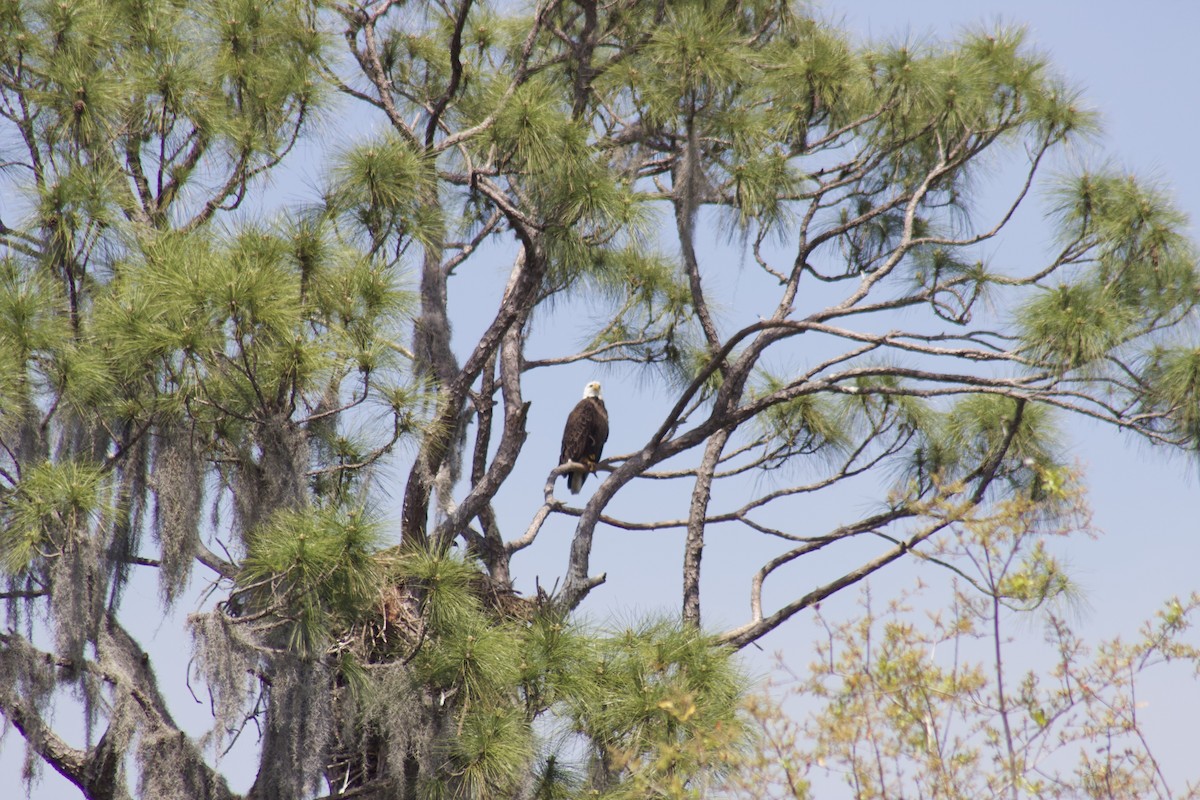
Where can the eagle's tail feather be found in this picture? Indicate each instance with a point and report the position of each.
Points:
(575, 480)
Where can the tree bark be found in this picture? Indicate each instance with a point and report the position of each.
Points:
(693, 548)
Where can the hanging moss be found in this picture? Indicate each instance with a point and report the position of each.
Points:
(178, 483)
(226, 659)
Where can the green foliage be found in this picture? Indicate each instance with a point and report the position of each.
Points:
(1073, 326)
(581, 201)
(936, 268)
(52, 506)
(488, 756)
(644, 309)
(33, 332)
(816, 76)
(657, 706)
(759, 182)
(689, 61)
(980, 424)
(536, 132)
(1133, 229)
(477, 658)
(809, 424)
(216, 87)
(1173, 378)
(661, 702)
(1142, 275)
(384, 187)
(986, 79)
(556, 660)
(1016, 439)
(315, 571)
(553, 782)
(243, 323)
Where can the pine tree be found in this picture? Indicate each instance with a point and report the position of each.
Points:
(187, 390)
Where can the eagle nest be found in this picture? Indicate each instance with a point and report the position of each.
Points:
(397, 628)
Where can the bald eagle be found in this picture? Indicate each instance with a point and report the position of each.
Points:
(584, 435)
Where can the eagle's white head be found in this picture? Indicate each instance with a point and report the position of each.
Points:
(592, 390)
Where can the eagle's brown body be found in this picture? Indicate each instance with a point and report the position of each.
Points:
(584, 436)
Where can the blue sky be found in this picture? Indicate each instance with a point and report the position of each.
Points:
(1137, 67)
